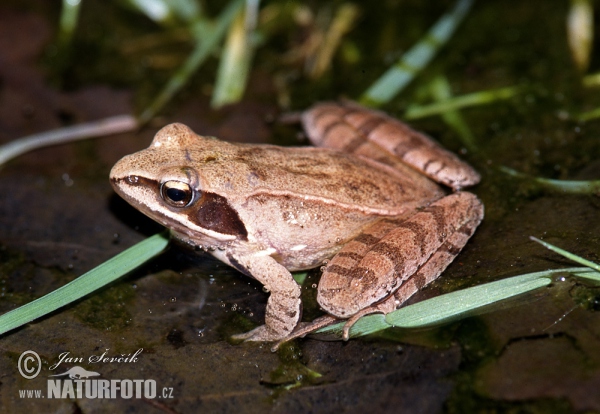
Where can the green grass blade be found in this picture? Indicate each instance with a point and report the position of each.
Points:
(441, 91)
(69, 16)
(580, 32)
(236, 58)
(412, 62)
(168, 12)
(455, 304)
(95, 279)
(568, 255)
(562, 186)
(364, 326)
(588, 274)
(591, 80)
(205, 46)
(463, 101)
(588, 116)
(300, 277)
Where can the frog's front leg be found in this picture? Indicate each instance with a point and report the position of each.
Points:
(283, 307)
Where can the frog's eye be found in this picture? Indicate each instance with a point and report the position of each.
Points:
(176, 193)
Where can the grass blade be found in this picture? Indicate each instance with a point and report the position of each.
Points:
(580, 32)
(466, 301)
(458, 102)
(455, 304)
(589, 274)
(69, 16)
(440, 89)
(204, 48)
(95, 279)
(563, 186)
(345, 17)
(412, 62)
(568, 255)
(588, 115)
(168, 12)
(236, 57)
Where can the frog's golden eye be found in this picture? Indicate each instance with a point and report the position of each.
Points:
(177, 193)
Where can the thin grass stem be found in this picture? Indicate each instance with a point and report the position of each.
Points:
(463, 101)
(568, 255)
(205, 46)
(103, 127)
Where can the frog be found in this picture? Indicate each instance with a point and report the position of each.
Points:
(377, 205)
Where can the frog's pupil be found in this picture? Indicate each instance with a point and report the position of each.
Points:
(176, 194)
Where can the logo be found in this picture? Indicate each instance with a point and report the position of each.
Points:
(29, 364)
(78, 373)
(78, 382)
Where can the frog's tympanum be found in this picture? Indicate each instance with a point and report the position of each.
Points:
(364, 205)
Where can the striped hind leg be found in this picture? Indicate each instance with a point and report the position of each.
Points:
(438, 262)
(345, 290)
(397, 256)
(350, 127)
(426, 274)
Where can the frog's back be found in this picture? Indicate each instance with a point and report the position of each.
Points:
(327, 175)
(239, 172)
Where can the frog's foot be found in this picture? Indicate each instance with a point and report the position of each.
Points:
(261, 334)
(304, 328)
(384, 307)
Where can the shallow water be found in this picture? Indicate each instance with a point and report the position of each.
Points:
(59, 218)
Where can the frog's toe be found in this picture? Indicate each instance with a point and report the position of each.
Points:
(261, 334)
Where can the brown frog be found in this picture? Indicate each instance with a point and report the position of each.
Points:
(365, 206)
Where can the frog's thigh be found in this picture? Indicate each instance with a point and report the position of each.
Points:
(377, 263)
(438, 262)
(426, 274)
(283, 307)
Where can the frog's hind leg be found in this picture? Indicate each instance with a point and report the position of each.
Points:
(375, 271)
(350, 127)
(438, 262)
(304, 328)
(426, 274)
